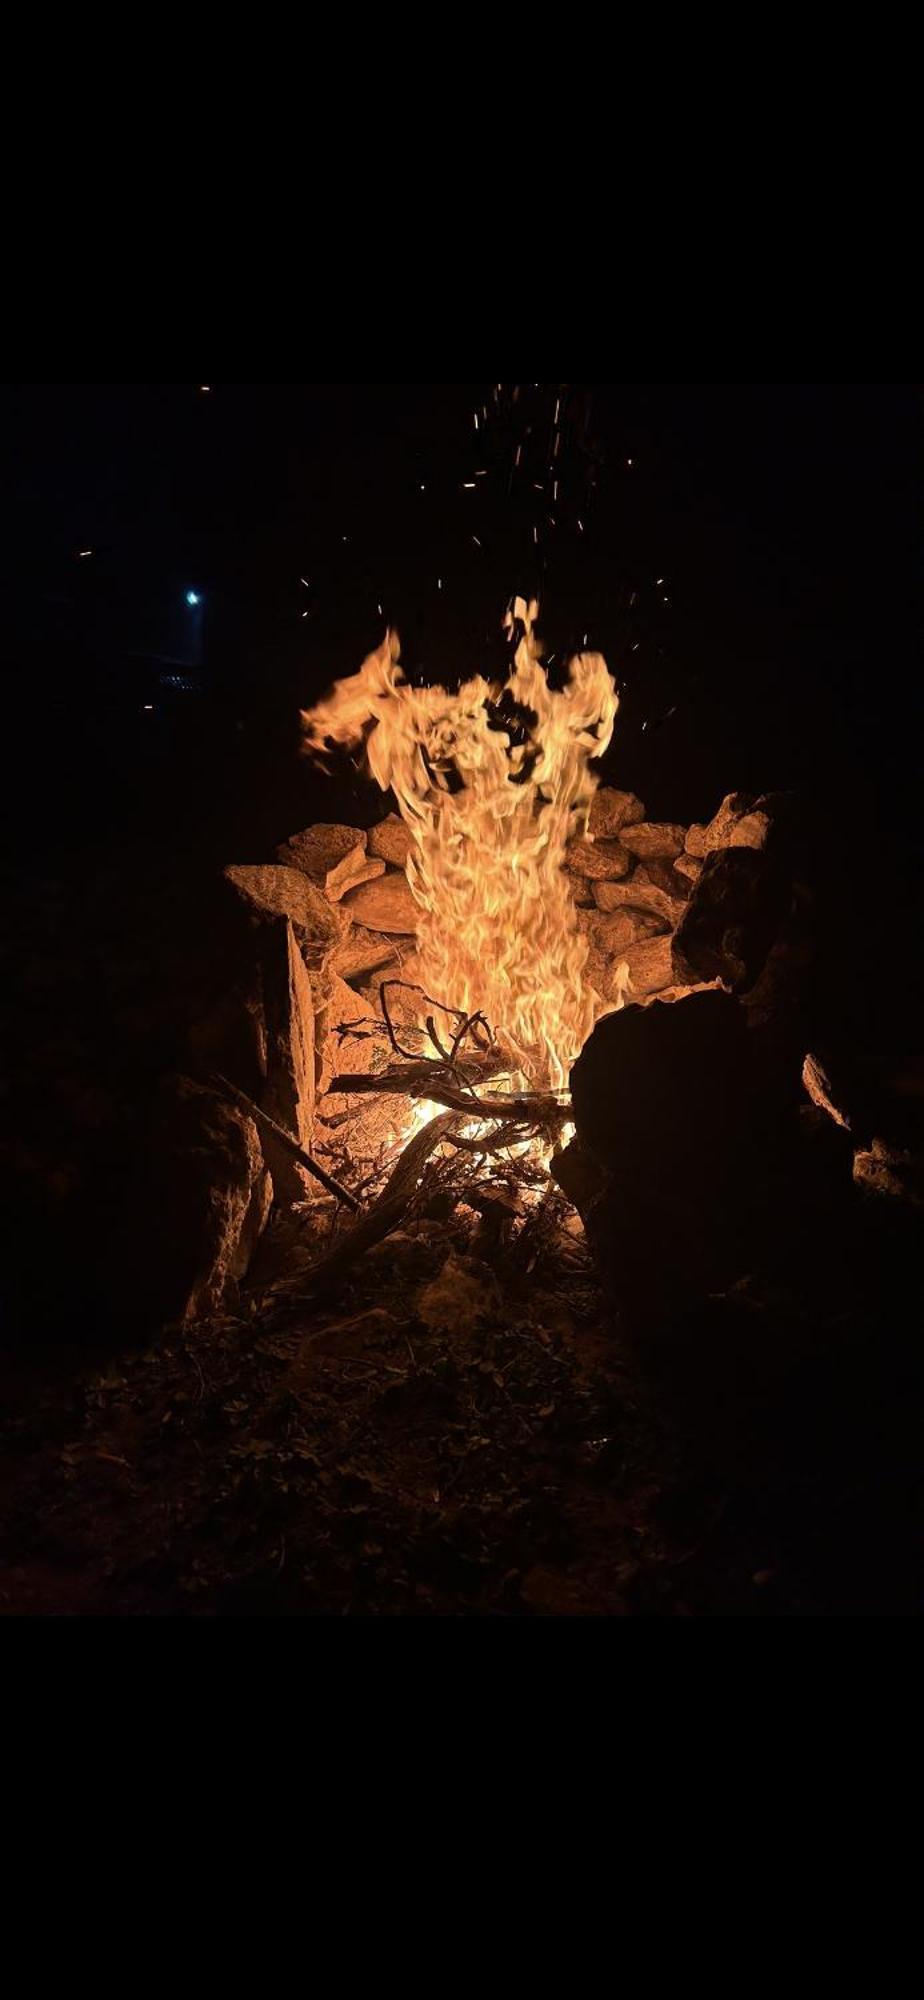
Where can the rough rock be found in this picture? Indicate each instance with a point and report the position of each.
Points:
(649, 841)
(639, 894)
(719, 827)
(385, 905)
(751, 830)
(650, 966)
(356, 1127)
(689, 865)
(695, 840)
(582, 891)
(739, 822)
(611, 810)
(404, 1006)
(390, 841)
(279, 891)
(333, 857)
(686, 1166)
(230, 1035)
(613, 932)
(663, 875)
(597, 860)
(289, 1091)
(598, 967)
(362, 951)
(733, 917)
(197, 1206)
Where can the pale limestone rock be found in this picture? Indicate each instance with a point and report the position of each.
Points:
(334, 857)
(289, 1091)
(612, 810)
(386, 905)
(612, 933)
(649, 841)
(279, 891)
(390, 841)
(597, 860)
(650, 966)
(639, 894)
(362, 951)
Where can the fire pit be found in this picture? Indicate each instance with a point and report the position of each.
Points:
(446, 970)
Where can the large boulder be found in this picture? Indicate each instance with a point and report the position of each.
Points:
(685, 1167)
(733, 918)
(289, 1092)
(196, 1204)
(274, 890)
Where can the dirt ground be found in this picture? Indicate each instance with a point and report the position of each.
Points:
(471, 1441)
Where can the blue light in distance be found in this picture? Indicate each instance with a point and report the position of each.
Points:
(192, 597)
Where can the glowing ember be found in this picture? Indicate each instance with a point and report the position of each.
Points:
(492, 781)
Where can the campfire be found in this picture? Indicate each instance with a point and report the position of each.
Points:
(492, 783)
(417, 997)
(467, 1047)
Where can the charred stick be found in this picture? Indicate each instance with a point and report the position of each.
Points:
(283, 1138)
(386, 1213)
(542, 1109)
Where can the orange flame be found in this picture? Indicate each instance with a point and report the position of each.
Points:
(491, 803)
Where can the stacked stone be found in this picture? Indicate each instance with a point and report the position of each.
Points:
(333, 916)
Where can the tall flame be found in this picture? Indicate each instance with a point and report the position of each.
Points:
(492, 782)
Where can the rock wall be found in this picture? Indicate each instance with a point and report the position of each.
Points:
(303, 947)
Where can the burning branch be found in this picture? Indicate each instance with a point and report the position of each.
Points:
(389, 1210)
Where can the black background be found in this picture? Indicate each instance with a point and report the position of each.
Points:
(784, 518)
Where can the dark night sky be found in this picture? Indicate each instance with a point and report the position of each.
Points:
(784, 519)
